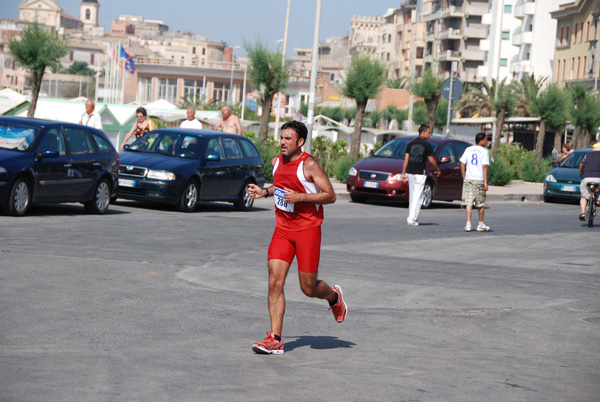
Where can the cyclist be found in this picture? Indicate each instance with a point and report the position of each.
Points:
(589, 170)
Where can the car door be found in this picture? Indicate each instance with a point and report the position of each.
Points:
(236, 165)
(85, 166)
(52, 174)
(214, 172)
(449, 184)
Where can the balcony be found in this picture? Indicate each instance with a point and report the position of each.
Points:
(476, 31)
(487, 19)
(451, 33)
(453, 11)
(524, 9)
(484, 45)
(450, 55)
(474, 54)
(523, 38)
(477, 9)
(429, 37)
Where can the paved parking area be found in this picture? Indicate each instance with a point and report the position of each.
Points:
(149, 304)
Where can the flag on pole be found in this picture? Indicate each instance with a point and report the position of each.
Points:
(129, 63)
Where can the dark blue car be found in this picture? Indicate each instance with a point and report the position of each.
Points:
(183, 166)
(562, 183)
(53, 162)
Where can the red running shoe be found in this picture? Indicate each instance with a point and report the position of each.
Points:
(339, 309)
(269, 345)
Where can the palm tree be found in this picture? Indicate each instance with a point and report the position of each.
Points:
(527, 90)
(270, 74)
(363, 82)
(37, 49)
(497, 99)
(429, 87)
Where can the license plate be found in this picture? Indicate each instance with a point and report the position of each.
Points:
(126, 183)
(371, 184)
(570, 189)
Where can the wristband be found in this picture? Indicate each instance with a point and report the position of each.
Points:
(267, 193)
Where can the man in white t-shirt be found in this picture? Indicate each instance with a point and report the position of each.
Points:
(474, 164)
(90, 117)
(191, 121)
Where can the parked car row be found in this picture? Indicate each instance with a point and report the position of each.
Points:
(45, 161)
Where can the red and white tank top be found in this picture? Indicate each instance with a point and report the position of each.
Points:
(300, 216)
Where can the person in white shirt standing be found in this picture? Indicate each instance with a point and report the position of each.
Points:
(191, 121)
(90, 117)
(474, 164)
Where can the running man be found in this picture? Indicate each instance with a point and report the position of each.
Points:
(300, 189)
(474, 164)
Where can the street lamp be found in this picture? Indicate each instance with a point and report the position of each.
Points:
(231, 79)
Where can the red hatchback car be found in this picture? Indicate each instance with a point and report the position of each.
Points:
(379, 175)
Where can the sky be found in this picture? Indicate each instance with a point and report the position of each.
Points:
(234, 21)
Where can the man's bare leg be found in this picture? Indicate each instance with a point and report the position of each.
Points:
(312, 287)
(278, 270)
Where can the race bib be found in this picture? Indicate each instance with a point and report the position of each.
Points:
(280, 202)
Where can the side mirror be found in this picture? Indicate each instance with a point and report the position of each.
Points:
(445, 159)
(49, 155)
(126, 147)
(554, 164)
(372, 152)
(213, 158)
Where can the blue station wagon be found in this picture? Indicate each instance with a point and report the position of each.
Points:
(562, 183)
(183, 166)
(53, 162)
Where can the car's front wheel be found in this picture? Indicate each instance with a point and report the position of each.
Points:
(427, 195)
(101, 199)
(189, 197)
(19, 198)
(244, 202)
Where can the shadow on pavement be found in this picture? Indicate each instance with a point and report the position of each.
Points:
(316, 342)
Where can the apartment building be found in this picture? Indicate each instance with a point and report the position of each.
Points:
(454, 31)
(576, 43)
(364, 33)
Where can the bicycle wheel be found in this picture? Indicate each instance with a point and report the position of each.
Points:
(590, 211)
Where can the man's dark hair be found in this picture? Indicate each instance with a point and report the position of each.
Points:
(480, 137)
(298, 127)
(423, 128)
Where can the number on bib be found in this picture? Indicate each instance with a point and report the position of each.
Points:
(280, 201)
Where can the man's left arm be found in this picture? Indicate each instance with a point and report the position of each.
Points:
(238, 126)
(435, 166)
(485, 175)
(98, 122)
(315, 173)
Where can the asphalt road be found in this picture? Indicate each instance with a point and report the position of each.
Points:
(149, 304)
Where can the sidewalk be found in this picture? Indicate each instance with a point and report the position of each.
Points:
(516, 190)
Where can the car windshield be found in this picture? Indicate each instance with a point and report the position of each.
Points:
(573, 160)
(17, 137)
(397, 148)
(171, 144)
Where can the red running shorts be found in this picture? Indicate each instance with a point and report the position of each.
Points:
(305, 245)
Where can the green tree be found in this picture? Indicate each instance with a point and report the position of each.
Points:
(375, 117)
(37, 49)
(550, 105)
(578, 94)
(429, 87)
(363, 81)
(270, 74)
(419, 113)
(398, 83)
(527, 90)
(591, 120)
(441, 114)
(80, 68)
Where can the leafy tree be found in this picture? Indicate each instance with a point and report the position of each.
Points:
(80, 68)
(591, 120)
(363, 81)
(375, 117)
(429, 87)
(441, 115)
(270, 74)
(398, 83)
(37, 49)
(527, 90)
(578, 94)
(349, 114)
(550, 106)
(419, 113)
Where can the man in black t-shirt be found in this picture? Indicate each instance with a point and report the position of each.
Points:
(418, 151)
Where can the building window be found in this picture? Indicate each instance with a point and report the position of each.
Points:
(505, 35)
(507, 9)
(167, 89)
(567, 36)
(578, 67)
(503, 62)
(88, 15)
(92, 59)
(562, 32)
(193, 90)
(584, 65)
(575, 32)
(220, 92)
(145, 90)
(558, 70)
(587, 35)
(564, 68)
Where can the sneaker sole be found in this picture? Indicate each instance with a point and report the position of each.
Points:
(482, 230)
(259, 350)
(345, 305)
